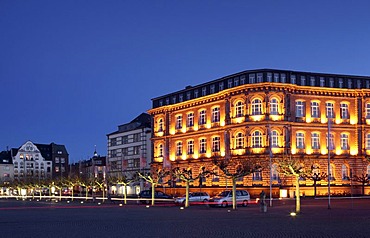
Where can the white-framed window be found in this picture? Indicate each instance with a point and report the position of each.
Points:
(242, 79)
(292, 79)
(299, 108)
(188, 95)
(274, 106)
(322, 82)
(344, 111)
(331, 82)
(276, 77)
(315, 109)
(216, 144)
(160, 125)
(340, 83)
(190, 147)
(204, 91)
(202, 146)
(269, 77)
(315, 141)
(312, 81)
(236, 81)
(181, 98)
(344, 141)
(345, 172)
(216, 114)
(202, 117)
(212, 89)
(332, 172)
(239, 109)
(275, 172)
(229, 83)
(303, 80)
(259, 78)
(257, 175)
(330, 142)
(329, 110)
(367, 112)
(257, 139)
(256, 107)
(178, 121)
(239, 141)
(179, 148)
(221, 86)
(367, 140)
(252, 78)
(196, 93)
(274, 138)
(300, 140)
(190, 119)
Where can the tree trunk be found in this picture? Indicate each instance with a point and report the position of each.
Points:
(187, 194)
(125, 194)
(297, 195)
(153, 193)
(234, 194)
(72, 193)
(314, 184)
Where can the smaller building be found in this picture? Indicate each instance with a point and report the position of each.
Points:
(94, 167)
(6, 167)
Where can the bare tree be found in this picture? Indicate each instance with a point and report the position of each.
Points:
(363, 179)
(154, 178)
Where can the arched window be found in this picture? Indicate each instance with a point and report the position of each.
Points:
(299, 109)
(332, 172)
(202, 146)
(345, 173)
(329, 110)
(274, 138)
(190, 148)
(239, 141)
(344, 141)
(315, 110)
(239, 109)
(344, 111)
(216, 144)
(300, 140)
(256, 107)
(160, 125)
(202, 117)
(274, 172)
(274, 106)
(315, 141)
(179, 148)
(368, 141)
(257, 139)
(160, 150)
(330, 141)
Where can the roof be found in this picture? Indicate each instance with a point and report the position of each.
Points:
(141, 121)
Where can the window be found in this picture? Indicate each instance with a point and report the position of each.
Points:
(239, 141)
(252, 78)
(274, 139)
(124, 139)
(274, 106)
(299, 108)
(113, 142)
(221, 86)
(300, 140)
(269, 77)
(345, 172)
(57, 160)
(303, 80)
(167, 101)
(257, 175)
(160, 125)
(257, 139)
(181, 98)
(315, 110)
(179, 148)
(340, 83)
(242, 79)
(190, 119)
(344, 141)
(312, 81)
(274, 172)
(293, 79)
(216, 114)
(196, 94)
(331, 82)
(367, 141)
(216, 144)
(256, 107)
(349, 83)
(178, 121)
(368, 171)
(212, 89)
(204, 91)
(136, 137)
(330, 142)
(202, 146)
(215, 175)
(329, 110)
(367, 111)
(136, 150)
(188, 95)
(124, 151)
(283, 78)
(331, 173)
(276, 78)
(174, 100)
(160, 150)
(190, 148)
(322, 82)
(359, 83)
(202, 117)
(239, 109)
(236, 81)
(230, 83)
(315, 141)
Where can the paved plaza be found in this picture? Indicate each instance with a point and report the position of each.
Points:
(347, 218)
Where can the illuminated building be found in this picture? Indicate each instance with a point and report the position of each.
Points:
(190, 125)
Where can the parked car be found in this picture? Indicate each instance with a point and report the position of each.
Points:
(225, 198)
(157, 195)
(194, 197)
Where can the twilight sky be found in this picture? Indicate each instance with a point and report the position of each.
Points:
(71, 71)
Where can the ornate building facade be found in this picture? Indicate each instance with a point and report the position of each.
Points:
(302, 115)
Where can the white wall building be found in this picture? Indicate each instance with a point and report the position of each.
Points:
(129, 151)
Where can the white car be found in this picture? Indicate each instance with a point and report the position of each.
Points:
(194, 197)
(225, 198)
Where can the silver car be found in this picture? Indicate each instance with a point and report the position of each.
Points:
(202, 197)
(225, 198)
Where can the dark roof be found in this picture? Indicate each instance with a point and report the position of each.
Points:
(141, 121)
(6, 157)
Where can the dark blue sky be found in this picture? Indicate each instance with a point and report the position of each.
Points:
(72, 71)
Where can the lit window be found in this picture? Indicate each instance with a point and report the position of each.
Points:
(190, 148)
(315, 141)
(368, 141)
(160, 150)
(330, 143)
(345, 172)
(216, 144)
(256, 107)
(300, 140)
(344, 141)
(202, 117)
(179, 148)
(274, 172)
(274, 139)
(179, 122)
(274, 106)
(239, 109)
(257, 175)
(160, 125)
(202, 146)
(329, 110)
(257, 139)
(344, 111)
(315, 110)
(331, 173)
(190, 120)
(216, 114)
(299, 109)
(367, 111)
(239, 141)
